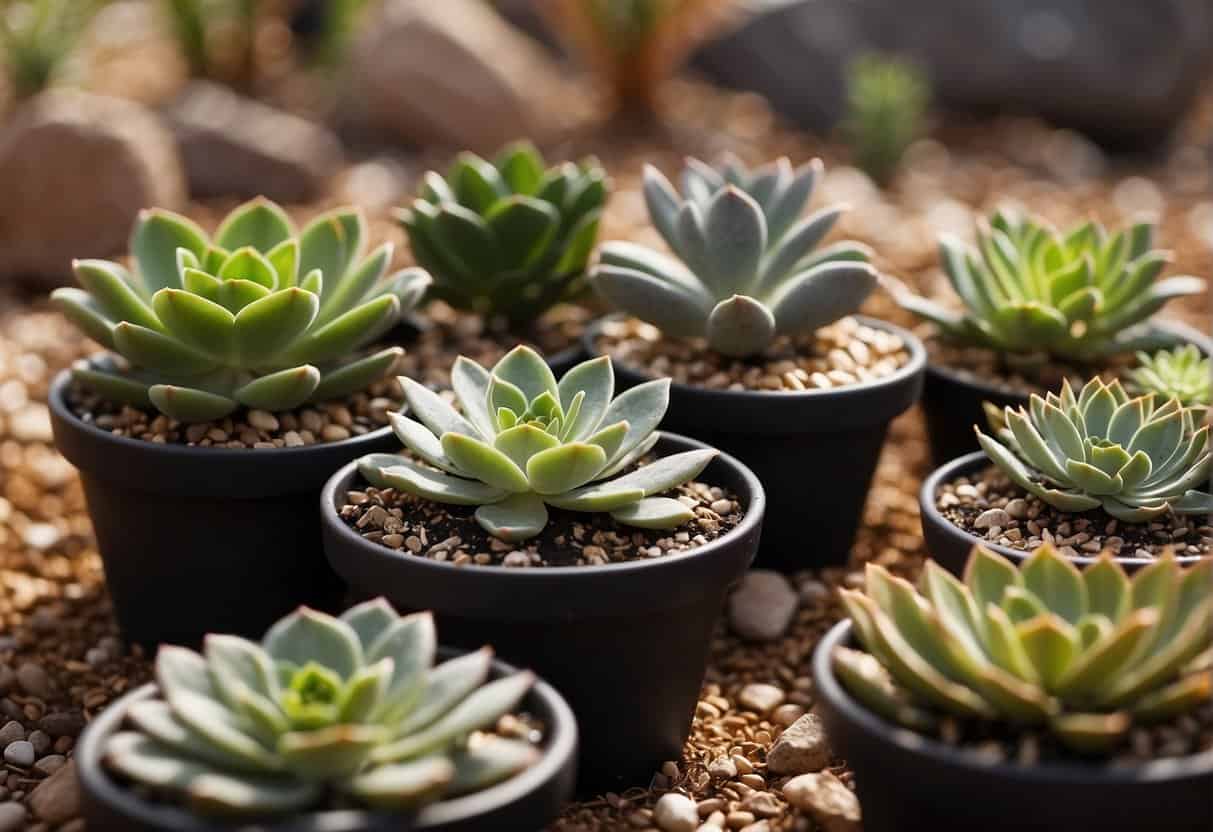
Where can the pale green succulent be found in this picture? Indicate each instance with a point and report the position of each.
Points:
(507, 238)
(257, 316)
(526, 441)
(1086, 653)
(1184, 373)
(1106, 450)
(746, 268)
(1079, 296)
(351, 703)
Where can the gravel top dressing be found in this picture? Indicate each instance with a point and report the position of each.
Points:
(447, 532)
(842, 354)
(994, 509)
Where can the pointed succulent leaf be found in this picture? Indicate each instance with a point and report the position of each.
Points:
(187, 404)
(447, 685)
(329, 753)
(400, 786)
(157, 236)
(484, 463)
(79, 307)
(265, 327)
(311, 636)
(112, 292)
(204, 325)
(525, 369)
(282, 390)
(259, 224)
(561, 469)
(411, 643)
(370, 619)
(821, 295)
(740, 326)
(357, 375)
(442, 488)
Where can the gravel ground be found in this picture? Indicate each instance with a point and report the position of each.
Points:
(756, 760)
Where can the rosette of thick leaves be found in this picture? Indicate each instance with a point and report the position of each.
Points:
(525, 441)
(1184, 373)
(506, 238)
(1105, 449)
(1087, 653)
(257, 316)
(351, 703)
(1078, 295)
(746, 268)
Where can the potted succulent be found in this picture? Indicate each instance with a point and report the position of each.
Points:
(1182, 373)
(552, 517)
(1093, 471)
(196, 439)
(1058, 698)
(1040, 305)
(758, 331)
(507, 241)
(330, 724)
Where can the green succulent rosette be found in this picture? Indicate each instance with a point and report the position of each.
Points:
(257, 316)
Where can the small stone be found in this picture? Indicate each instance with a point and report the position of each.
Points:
(801, 748)
(991, 518)
(41, 742)
(34, 680)
(49, 764)
(676, 812)
(787, 714)
(762, 606)
(263, 420)
(722, 768)
(760, 698)
(826, 799)
(334, 433)
(12, 816)
(57, 798)
(1017, 508)
(19, 753)
(11, 732)
(62, 724)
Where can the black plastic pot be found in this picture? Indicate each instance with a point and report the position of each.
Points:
(815, 451)
(950, 545)
(198, 540)
(907, 782)
(951, 401)
(626, 643)
(526, 802)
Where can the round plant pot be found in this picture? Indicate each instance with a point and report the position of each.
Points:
(814, 450)
(526, 802)
(626, 643)
(950, 545)
(907, 781)
(197, 540)
(951, 401)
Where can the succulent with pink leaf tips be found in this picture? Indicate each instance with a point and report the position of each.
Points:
(746, 266)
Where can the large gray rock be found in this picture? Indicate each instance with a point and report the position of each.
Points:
(236, 146)
(1123, 70)
(452, 73)
(76, 169)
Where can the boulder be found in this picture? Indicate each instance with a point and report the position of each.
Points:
(451, 73)
(77, 169)
(235, 146)
(1124, 71)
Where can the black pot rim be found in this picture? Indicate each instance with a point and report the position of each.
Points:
(749, 523)
(910, 742)
(917, 362)
(57, 400)
(985, 388)
(560, 749)
(969, 464)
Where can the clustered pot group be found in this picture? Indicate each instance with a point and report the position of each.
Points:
(537, 506)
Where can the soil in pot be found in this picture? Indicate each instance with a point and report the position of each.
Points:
(411, 525)
(206, 539)
(976, 777)
(988, 505)
(626, 642)
(960, 378)
(439, 334)
(809, 417)
(526, 801)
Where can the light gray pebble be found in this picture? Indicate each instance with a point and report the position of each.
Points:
(19, 753)
(41, 742)
(12, 816)
(50, 764)
(11, 732)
